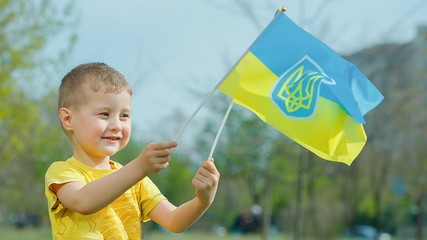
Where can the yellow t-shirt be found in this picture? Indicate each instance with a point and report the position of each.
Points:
(119, 220)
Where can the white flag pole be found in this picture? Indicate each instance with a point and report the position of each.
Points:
(194, 114)
(208, 96)
(225, 76)
(220, 130)
(206, 99)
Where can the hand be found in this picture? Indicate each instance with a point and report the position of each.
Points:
(155, 157)
(206, 182)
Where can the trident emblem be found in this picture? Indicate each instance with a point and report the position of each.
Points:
(296, 92)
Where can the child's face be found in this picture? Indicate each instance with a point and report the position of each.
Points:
(102, 126)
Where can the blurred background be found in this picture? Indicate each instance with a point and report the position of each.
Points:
(173, 53)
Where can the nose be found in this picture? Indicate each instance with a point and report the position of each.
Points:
(115, 124)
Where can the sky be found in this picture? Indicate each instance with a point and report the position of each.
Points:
(168, 49)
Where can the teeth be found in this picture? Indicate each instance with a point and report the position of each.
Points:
(112, 138)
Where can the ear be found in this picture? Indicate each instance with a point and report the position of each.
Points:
(65, 115)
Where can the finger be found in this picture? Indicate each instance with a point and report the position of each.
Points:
(163, 153)
(168, 144)
(206, 178)
(165, 165)
(196, 183)
(161, 163)
(204, 172)
(163, 145)
(160, 160)
(200, 182)
(210, 166)
(203, 176)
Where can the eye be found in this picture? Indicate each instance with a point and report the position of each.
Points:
(104, 114)
(125, 115)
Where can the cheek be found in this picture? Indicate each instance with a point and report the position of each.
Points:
(97, 127)
(92, 128)
(126, 131)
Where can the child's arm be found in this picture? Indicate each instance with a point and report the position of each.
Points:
(179, 219)
(92, 197)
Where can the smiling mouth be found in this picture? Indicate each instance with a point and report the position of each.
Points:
(112, 138)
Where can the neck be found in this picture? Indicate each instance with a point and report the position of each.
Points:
(94, 162)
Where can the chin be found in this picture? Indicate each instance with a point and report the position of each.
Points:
(110, 152)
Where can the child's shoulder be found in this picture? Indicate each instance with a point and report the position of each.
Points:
(63, 171)
(59, 164)
(59, 168)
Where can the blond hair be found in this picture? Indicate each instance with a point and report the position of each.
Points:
(89, 76)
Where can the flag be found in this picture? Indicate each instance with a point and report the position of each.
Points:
(301, 87)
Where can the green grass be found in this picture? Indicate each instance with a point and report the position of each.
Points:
(207, 236)
(9, 233)
(43, 233)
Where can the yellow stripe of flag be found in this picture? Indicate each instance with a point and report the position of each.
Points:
(330, 133)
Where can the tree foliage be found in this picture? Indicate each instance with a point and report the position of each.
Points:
(27, 108)
(25, 29)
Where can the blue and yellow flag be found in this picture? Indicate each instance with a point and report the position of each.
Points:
(301, 87)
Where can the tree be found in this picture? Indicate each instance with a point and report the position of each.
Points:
(25, 29)
(395, 129)
(27, 108)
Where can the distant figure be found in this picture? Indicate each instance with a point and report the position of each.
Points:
(248, 222)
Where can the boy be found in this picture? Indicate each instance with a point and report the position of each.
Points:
(92, 197)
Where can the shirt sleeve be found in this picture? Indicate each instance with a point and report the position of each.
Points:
(149, 197)
(59, 173)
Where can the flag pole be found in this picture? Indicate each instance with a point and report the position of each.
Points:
(220, 129)
(194, 114)
(208, 96)
(223, 79)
